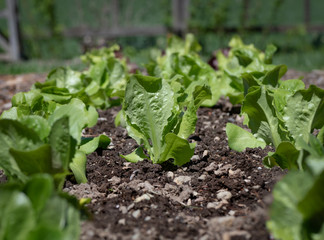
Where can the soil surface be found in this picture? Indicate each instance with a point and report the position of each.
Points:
(220, 194)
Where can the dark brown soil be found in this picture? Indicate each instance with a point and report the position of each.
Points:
(220, 194)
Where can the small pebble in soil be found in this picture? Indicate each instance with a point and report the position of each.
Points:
(216, 205)
(182, 179)
(170, 187)
(256, 156)
(170, 174)
(126, 165)
(102, 119)
(205, 153)
(216, 139)
(136, 214)
(130, 206)
(224, 194)
(234, 172)
(211, 167)
(153, 206)
(195, 158)
(232, 120)
(145, 196)
(114, 180)
(123, 209)
(122, 221)
(247, 181)
(231, 213)
(133, 174)
(111, 146)
(223, 170)
(147, 218)
(237, 234)
(202, 177)
(200, 199)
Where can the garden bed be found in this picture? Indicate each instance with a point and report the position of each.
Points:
(220, 194)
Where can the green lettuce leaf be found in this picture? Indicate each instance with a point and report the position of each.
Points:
(14, 134)
(79, 117)
(262, 116)
(89, 145)
(298, 206)
(304, 112)
(35, 211)
(178, 149)
(286, 156)
(136, 156)
(78, 166)
(240, 139)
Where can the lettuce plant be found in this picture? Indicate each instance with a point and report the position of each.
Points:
(297, 209)
(106, 81)
(35, 211)
(161, 120)
(184, 69)
(281, 115)
(32, 144)
(100, 86)
(239, 60)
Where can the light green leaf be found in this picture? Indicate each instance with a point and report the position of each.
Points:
(34, 211)
(304, 112)
(13, 134)
(272, 77)
(189, 119)
(16, 215)
(79, 117)
(148, 106)
(263, 120)
(177, 148)
(39, 189)
(286, 221)
(292, 85)
(286, 157)
(269, 52)
(239, 139)
(136, 156)
(320, 136)
(66, 78)
(89, 145)
(38, 124)
(62, 144)
(297, 209)
(91, 116)
(78, 166)
(33, 161)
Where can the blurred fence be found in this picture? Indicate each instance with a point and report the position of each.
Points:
(59, 26)
(10, 42)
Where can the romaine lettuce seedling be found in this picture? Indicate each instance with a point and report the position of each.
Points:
(281, 117)
(159, 120)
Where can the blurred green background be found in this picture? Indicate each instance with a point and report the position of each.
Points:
(44, 25)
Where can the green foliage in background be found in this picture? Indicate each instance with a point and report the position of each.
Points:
(44, 24)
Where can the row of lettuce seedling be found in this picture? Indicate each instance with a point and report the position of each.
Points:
(43, 129)
(41, 144)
